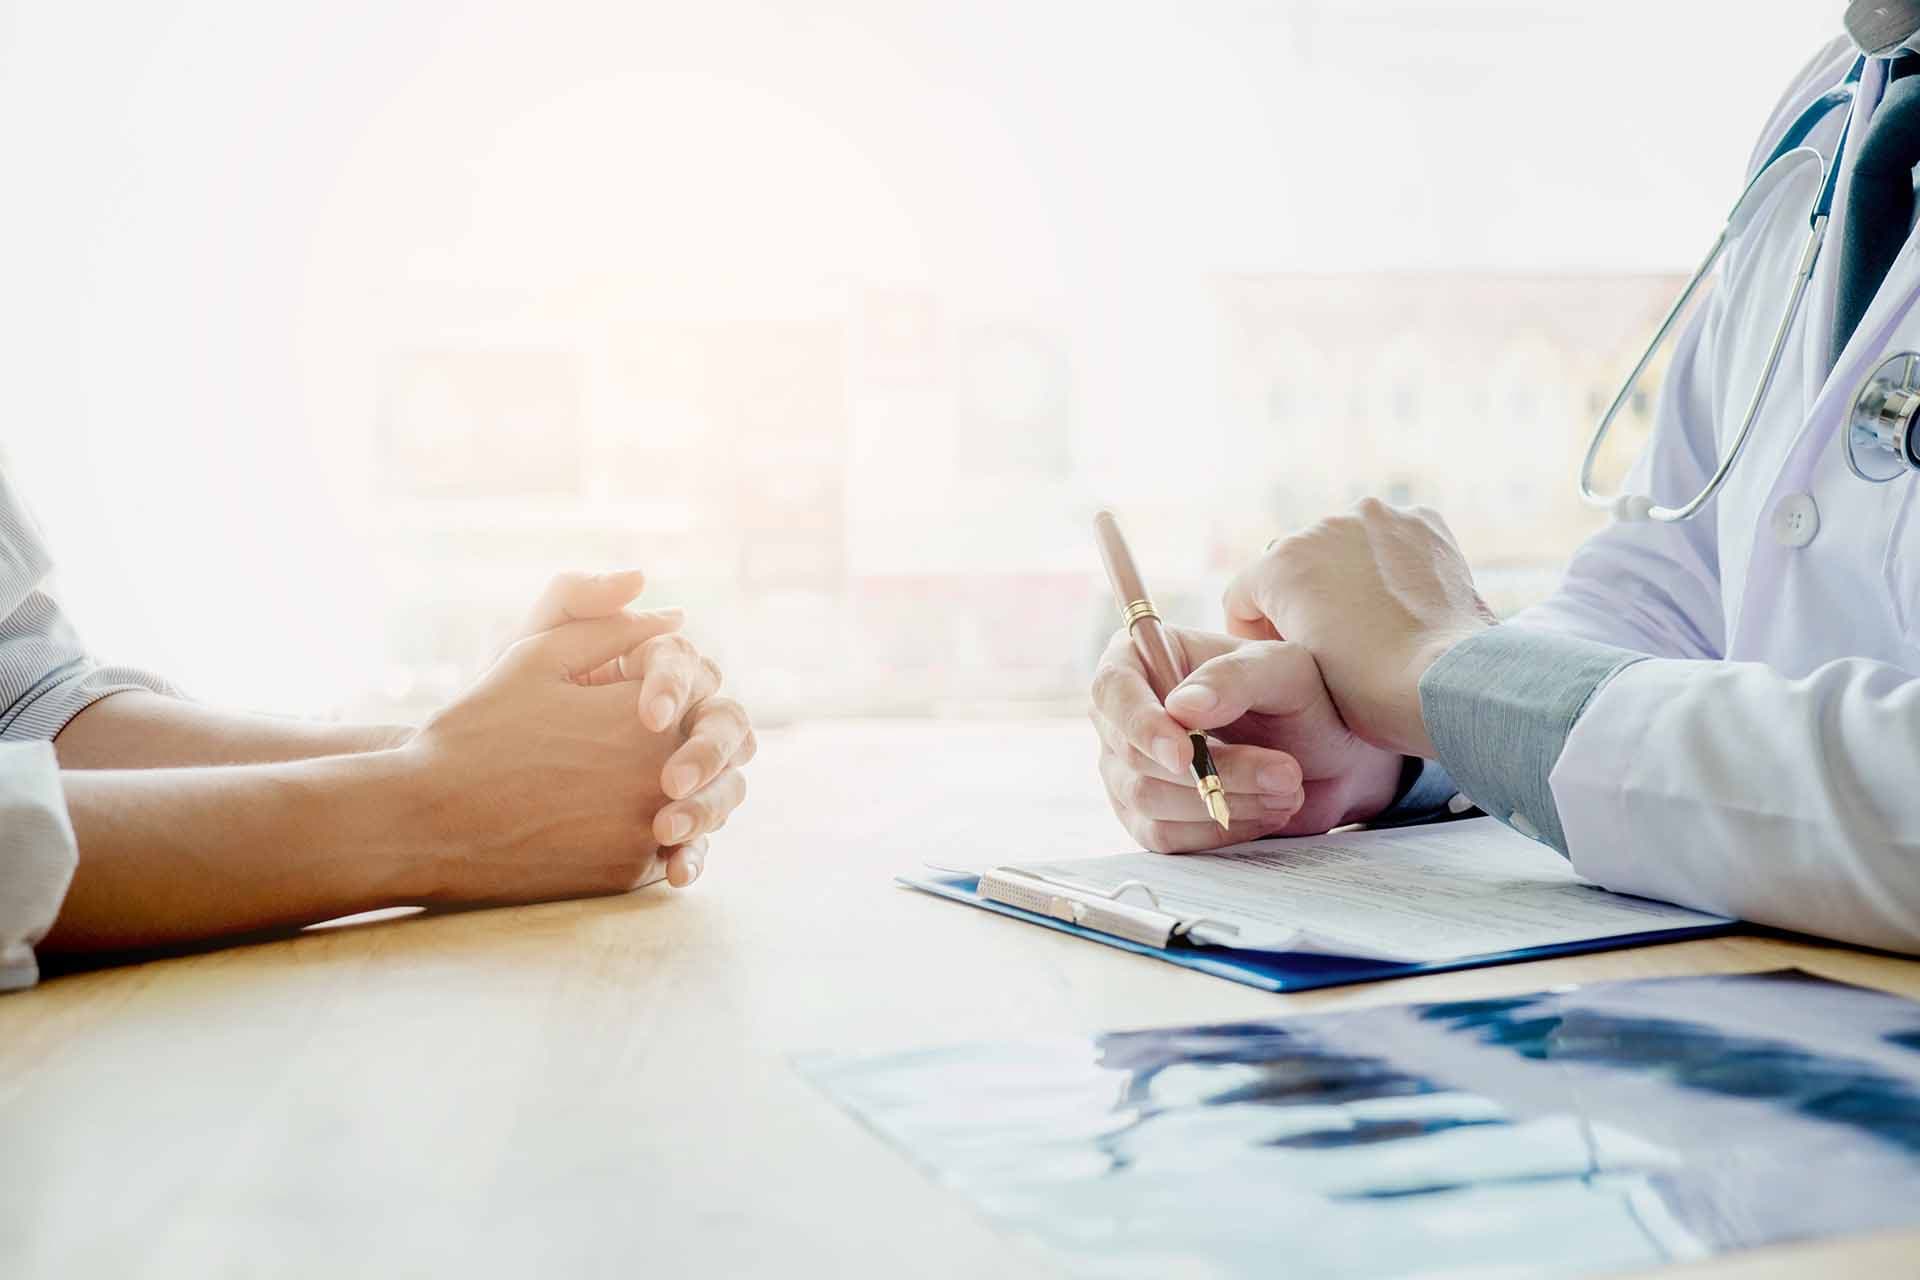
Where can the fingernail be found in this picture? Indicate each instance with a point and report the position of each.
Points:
(679, 827)
(681, 780)
(1275, 780)
(660, 712)
(694, 867)
(1193, 697)
(616, 575)
(1167, 752)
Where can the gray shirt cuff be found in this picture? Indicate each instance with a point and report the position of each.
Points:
(1499, 708)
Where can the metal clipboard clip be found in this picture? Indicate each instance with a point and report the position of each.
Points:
(1101, 910)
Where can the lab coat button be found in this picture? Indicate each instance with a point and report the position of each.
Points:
(1796, 519)
(1518, 821)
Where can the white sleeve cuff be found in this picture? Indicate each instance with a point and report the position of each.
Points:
(37, 856)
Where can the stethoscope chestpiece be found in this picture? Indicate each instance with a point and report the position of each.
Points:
(1879, 439)
(1880, 27)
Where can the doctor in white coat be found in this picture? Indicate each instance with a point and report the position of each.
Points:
(1722, 711)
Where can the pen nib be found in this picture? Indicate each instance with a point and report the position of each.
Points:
(1216, 799)
(1207, 779)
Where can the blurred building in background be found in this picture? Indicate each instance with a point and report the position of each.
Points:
(873, 501)
(1474, 393)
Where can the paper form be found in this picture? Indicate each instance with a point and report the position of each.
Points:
(1417, 893)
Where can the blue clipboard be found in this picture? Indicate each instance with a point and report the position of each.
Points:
(1294, 970)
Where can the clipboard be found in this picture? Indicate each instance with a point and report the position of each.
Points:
(1267, 970)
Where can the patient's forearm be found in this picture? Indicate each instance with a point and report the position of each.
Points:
(168, 855)
(139, 730)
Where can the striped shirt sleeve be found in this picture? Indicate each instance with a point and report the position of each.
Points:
(37, 856)
(46, 679)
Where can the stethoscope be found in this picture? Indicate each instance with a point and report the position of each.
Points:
(1879, 442)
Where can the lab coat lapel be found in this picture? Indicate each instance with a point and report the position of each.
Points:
(1816, 334)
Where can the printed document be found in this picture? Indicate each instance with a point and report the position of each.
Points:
(1425, 893)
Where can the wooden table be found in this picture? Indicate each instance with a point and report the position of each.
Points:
(603, 1088)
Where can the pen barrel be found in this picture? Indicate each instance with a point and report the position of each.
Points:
(1155, 647)
(1121, 571)
(1150, 639)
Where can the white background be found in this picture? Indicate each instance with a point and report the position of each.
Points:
(201, 197)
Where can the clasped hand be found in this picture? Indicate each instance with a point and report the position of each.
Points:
(1315, 690)
(592, 757)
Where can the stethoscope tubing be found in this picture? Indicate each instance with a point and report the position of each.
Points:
(1626, 506)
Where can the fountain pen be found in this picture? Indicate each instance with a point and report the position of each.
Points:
(1156, 651)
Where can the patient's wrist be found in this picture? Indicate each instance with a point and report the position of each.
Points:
(387, 810)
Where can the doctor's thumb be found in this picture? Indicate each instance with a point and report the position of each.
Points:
(1216, 694)
(1270, 677)
(1190, 703)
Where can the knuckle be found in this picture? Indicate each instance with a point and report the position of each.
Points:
(1278, 559)
(669, 647)
(1108, 681)
(692, 809)
(1160, 836)
(1278, 656)
(700, 815)
(726, 716)
(1139, 726)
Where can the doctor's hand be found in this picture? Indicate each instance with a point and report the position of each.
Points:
(1376, 595)
(677, 686)
(1291, 766)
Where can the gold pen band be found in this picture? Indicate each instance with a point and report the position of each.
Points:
(1139, 609)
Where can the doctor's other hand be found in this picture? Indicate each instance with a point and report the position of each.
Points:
(1290, 766)
(676, 686)
(1376, 595)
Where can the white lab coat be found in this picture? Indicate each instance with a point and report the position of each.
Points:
(1768, 766)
